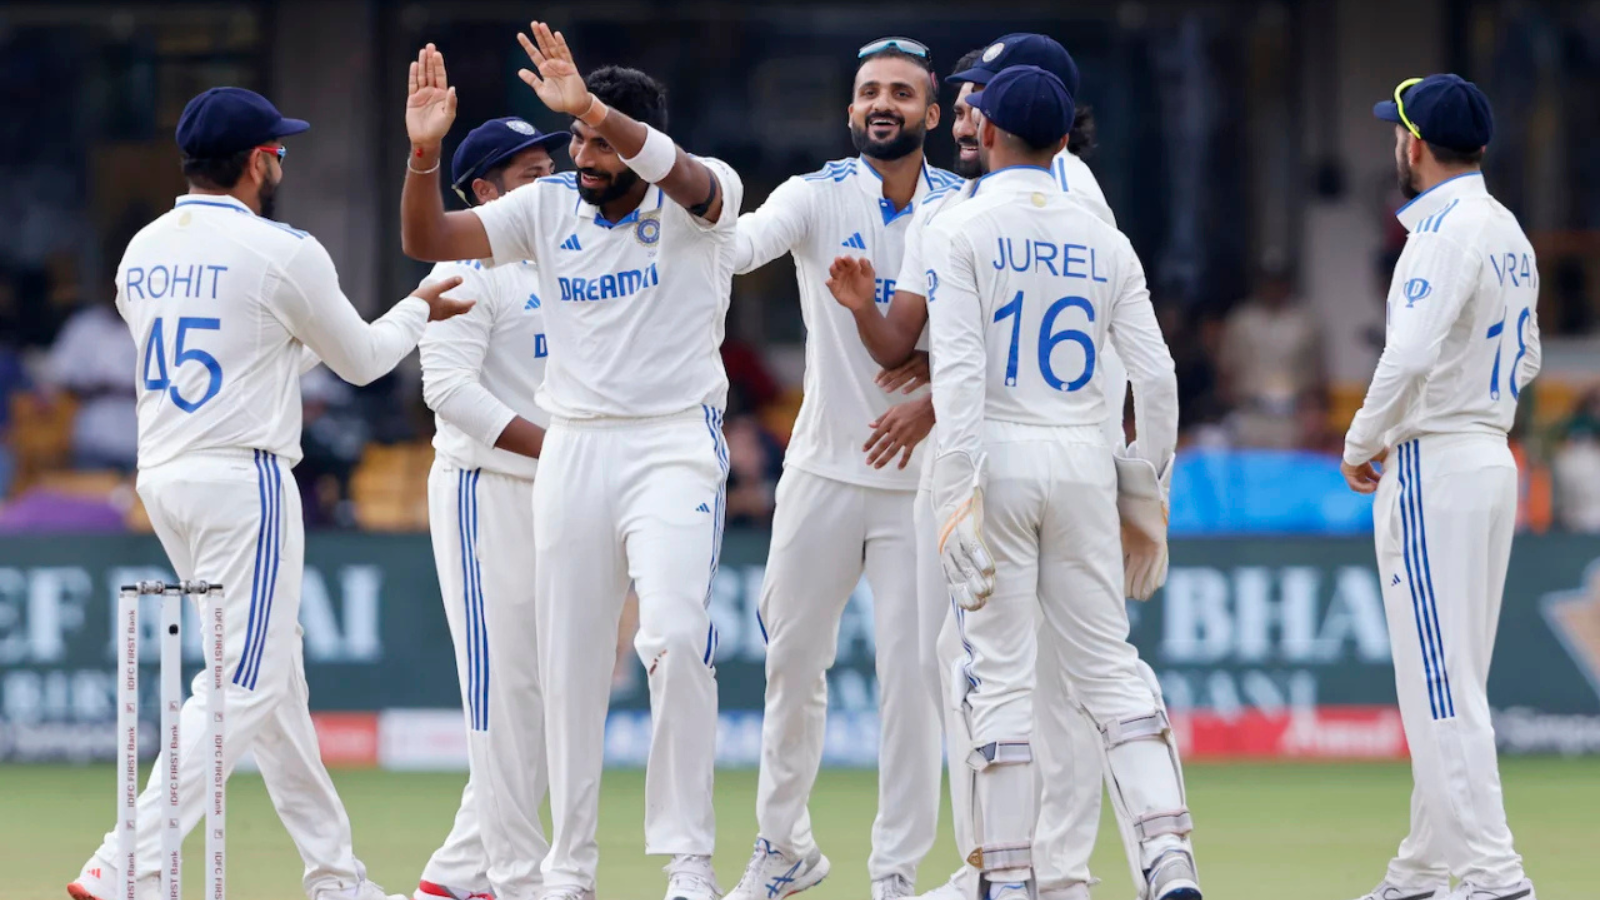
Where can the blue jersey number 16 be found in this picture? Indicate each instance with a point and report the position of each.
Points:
(1048, 339)
(155, 361)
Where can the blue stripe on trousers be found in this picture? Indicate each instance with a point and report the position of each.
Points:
(1442, 671)
(483, 623)
(1414, 580)
(719, 512)
(275, 539)
(255, 582)
(472, 598)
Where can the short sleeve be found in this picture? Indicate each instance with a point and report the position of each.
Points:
(512, 222)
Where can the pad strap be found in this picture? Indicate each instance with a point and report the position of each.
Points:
(1001, 856)
(1156, 824)
(1152, 726)
(1000, 753)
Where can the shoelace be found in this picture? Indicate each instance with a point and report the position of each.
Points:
(893, 887)
(752, 869)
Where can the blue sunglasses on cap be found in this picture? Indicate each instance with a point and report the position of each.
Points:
(903, 44)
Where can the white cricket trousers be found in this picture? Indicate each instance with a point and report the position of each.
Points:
(1067, 750)
(1050, 519)
(825, 533)
(1444, 515)
(621, 499)
(482, 525)
(234, 517)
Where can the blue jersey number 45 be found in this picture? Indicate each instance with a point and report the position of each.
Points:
(155, 361)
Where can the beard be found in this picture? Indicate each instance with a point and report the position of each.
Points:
(906, 141)
(1406, 178)
(267, 199)
(964, 166)
(620, 184)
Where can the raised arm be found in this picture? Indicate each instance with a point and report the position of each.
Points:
(313, 309)
(427, 232)
(689, 182)
(891, 337)
(773, 230)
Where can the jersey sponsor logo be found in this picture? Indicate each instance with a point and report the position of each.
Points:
(648, 231)
(571, 243)
(533, 302)
(854, 241)
(180, 280)
(1417, 289)
(540, 348)
(609, 287)
(1022, 255)
(885, 291)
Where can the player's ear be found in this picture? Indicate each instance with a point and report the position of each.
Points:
(931, 120)
(483, 190)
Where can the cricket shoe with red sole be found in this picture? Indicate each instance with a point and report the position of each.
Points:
(99, 881)
(427, 890)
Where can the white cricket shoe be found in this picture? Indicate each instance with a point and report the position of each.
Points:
(1466, 890)
(1078, 891)
(962, 885)
(1387, 891)
(892, 887)
(1172, 877)
(772, 875)
(100, 881)
(692, 878)
(428, 890)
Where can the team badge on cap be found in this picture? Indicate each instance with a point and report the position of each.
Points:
(648, 231)
(994, 50)
(519, 126)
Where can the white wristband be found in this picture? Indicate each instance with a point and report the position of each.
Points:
(656, 158)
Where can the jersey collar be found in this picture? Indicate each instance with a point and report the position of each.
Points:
(1433, 201)
(1017, 177)
(653, 199)
(871, 184)
(226, 201)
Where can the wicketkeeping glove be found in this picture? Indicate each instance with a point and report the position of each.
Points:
(968, 564)
(1142, 506)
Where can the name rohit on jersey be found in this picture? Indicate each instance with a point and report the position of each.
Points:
(609, 287)
(1073, 260)
(192, 281)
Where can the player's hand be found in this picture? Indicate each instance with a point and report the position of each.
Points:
(853, 283)
(441, 307)
(430, 100)
(899, 431)
(1142, 508)
(1363, 479)
(558, 83)
(968, 564)
(908, 376)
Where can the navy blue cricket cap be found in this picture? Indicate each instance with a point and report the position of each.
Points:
(495, 142)
(1447, 110)
(227, 120)
(1022, 49)
(1029, 102)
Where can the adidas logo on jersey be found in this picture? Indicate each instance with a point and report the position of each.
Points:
(571, 243)
(533, 302)
(702, 508)
(854, 241)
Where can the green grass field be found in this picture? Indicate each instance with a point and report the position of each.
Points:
(1265, 832)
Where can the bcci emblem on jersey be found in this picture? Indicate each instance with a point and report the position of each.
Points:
(648, 231)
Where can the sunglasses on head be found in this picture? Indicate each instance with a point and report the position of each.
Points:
(903, 44)
(1400, 106)
(279, 151)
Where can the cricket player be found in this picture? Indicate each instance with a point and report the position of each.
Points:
(1068, 754)
(1024, 288)
(836, 515)
(634, 255)
(1462, 342)
(480, 374)
(221, 301)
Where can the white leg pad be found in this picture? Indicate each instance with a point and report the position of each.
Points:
(1145, 781)
(1005, 805)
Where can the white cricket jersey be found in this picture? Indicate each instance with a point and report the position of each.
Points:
(838, 210)
(220, 302)
(1026, 289)
(483, 368)
(634, 308)
(1462, 324)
